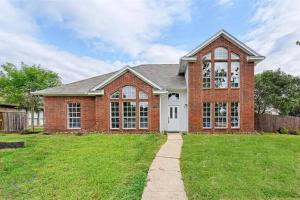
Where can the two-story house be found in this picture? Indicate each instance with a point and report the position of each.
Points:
(210, 90)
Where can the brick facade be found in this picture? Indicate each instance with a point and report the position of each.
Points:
(244, 95)
(95, 111)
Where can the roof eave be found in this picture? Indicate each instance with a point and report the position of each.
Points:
(98, 93)
(183, 63)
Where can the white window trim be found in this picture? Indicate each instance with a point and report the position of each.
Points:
(215, 127)
(68, 119)
(239, 113)
(210, 77)
(147, 116)
(110, 116)
(239, 75)
(127, 87)
(123, 116)
(209, 116)
(214, 78)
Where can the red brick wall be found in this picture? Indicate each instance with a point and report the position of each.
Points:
(95, 111)
(198, 95)
(103, 103)
(56, 113)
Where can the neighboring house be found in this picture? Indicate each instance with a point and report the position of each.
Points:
(210, 90)
(38, 118)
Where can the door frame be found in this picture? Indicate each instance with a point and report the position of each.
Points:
(176, 129)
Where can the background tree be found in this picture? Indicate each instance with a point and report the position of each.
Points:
(16, 85)
(278, 90)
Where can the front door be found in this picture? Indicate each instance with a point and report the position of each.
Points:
(173, 118)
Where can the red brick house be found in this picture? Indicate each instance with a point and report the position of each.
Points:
(210, 90)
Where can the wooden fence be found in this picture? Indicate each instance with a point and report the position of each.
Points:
(271, 123)
(13, 121)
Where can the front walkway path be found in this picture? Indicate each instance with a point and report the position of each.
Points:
(164, 176)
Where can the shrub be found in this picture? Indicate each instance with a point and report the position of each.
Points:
(296, 131)
(283, 130)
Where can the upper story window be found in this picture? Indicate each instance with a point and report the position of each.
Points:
(143, 95)
(115, 95)
(234, 56)
(221, 74)
(128, 92)
(235, 74)
(206, 71)
(221, 53)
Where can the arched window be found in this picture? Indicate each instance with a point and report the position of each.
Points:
(128, 92)
(221, 53)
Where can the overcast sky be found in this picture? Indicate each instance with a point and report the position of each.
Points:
(84, 38)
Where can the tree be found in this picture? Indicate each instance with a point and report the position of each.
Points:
(278, 90)
(16, 85)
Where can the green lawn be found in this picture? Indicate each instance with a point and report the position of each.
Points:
(241, 166)
(77, 167)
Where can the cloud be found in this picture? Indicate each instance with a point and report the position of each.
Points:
(227, 3)
(275, 34)
(128, 26)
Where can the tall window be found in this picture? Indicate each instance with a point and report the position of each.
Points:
(129, 115)
(206, 71)
(74, 115)
(221, 115)
(206, 122)
(114, 115)
(143, 114)
(235, 74)
(221, 53)
(221, 74)
(235, 115)
(128, 92)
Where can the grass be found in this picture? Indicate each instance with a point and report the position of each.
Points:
(241, 166)
(77, 167)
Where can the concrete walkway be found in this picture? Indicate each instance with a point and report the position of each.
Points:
(164, 176)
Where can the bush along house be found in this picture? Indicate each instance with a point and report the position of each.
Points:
(210, 90)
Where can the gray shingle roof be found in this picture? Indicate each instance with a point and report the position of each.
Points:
(164, 75)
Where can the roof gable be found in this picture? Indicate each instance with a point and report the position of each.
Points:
(120, 73)
(227, 36)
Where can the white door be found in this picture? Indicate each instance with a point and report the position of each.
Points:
(173, 118)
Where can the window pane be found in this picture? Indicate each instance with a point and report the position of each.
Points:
(114, 115)
(73, 115)
(235, 56)
(143, 114)
(221, 53)
(129, 92)
(129, 114)
(221, 115)
(235, 74)
(176, 112)
(206, 115)
(235, 112)
(221, 74)
(143, 95)
(115, 95)
(207, 57)
(206, 74)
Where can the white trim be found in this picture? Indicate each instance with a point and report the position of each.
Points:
(139, 111)
(255, 59)
(100, 93)
(160, 91)
(228, 36)
(110, 116)
(121, 72)
(68, 118)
